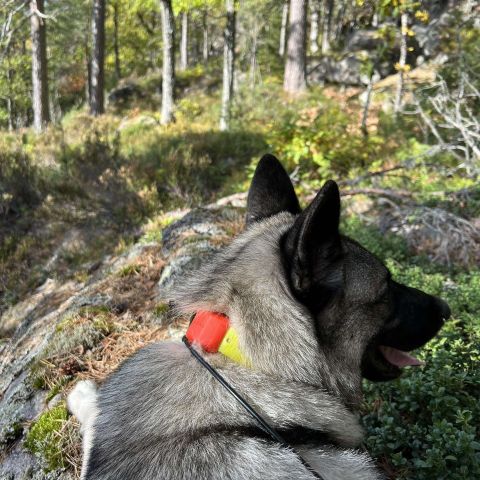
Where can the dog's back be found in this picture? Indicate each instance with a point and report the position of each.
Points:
(162, 416)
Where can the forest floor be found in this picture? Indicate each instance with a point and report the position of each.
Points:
(93, 188)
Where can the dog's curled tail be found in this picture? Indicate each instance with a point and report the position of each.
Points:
(82, 402)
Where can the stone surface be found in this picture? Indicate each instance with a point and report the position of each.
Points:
(191, 240)
(35, 321)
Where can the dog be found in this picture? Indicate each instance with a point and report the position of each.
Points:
(313, 312)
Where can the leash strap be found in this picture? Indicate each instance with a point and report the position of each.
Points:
(246, 406)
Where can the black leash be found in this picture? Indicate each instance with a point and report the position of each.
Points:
(261, 422)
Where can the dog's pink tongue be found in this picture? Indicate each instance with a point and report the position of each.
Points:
(399, 358)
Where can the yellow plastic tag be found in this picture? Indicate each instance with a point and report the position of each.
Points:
(229, 348)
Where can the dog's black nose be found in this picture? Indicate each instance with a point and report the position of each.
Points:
(443, 308)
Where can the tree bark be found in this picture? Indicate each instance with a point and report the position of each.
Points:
(116, 48)
(228, 64)
(366, 107)
(10, 105)
(168, 71)
(184, 42)
(401, 62)
(327, 25)
(313, 26)
(205, 46)
(97, 106)
(295, 66)
(253, 56)
(283, 29)
(41, 114)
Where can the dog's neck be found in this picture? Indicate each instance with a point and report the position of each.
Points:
(247, 282)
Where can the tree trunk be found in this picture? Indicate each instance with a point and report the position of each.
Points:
(98, 58)
(366, 107)
(118, 70)
(41, 114)
(327, 25)
(295, 67)
(228, 64)
(401, 62)
(205, 37)
(283, 29)
(313, 26)
(168, 72)
(253, 56)
(184, 42)
(10, 107)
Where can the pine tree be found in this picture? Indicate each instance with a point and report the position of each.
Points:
(295, 66)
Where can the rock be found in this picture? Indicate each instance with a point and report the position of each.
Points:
(37, 324)
(363, 40)
(346, 70)
(192, 239)
(122, 95)
(428, 35)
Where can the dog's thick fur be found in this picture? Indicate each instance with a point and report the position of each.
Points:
(311, 308)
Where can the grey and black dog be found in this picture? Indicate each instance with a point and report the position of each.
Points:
(314, 312)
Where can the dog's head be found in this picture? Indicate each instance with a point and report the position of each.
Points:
(308, 303)
(356, 305)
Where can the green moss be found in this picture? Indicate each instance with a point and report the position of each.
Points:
(45, 437)
(161, 309)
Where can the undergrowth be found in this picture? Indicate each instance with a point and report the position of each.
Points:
(425, 425)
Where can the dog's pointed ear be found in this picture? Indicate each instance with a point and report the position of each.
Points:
(271, 191)
(314, 239)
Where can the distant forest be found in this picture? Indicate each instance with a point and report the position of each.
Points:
(60, 55)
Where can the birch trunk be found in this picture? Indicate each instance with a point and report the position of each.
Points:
(168, 72)
(283, 29)
(401, 63)
(41, 114)
(313, 26)
(97, 80)
(295, 66)
(205, 49)
(228, 64)
(366, 107)
(327, 25)
(184, 42)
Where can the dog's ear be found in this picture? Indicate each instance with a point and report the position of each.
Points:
(313, 243)
(271, 191)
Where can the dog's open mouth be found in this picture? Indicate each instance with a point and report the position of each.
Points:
(382, 363)
(399, 358)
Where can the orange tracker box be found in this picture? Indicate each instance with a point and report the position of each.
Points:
(208, 329)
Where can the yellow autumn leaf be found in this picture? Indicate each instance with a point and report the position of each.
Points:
(422, 15)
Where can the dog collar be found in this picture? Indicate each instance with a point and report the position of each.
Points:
(213, 332)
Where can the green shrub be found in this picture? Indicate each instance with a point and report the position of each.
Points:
(321, 140)
(425, 425)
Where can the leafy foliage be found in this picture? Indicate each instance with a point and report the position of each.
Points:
(425, 424)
